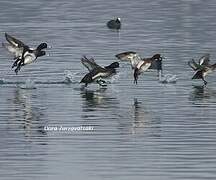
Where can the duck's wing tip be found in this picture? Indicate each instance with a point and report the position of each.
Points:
(193, 64)
(127, 55)
(204, 60)
(90, 64)
(13, 41)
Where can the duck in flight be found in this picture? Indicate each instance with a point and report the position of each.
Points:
(139, 64)
(96, 72)
(22, 53)
(202, 68)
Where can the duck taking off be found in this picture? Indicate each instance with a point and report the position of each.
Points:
(134, 58)
(139, 64)
(22, 53)
(96, 72)
(202, 68)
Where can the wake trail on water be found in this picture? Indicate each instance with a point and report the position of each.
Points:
(69, 77)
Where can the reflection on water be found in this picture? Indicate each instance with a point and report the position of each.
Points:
(144, 119)
(93, 98)
(140, 116)
(202, 93)
(23, 143)
(30, 114)
(145, 131)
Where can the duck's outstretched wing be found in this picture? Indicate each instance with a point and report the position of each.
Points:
(17, 52)
(126, 56)
(131, 56)
(195, 66)
(204, 60)
(14, 42)
(14, 46)
(143, 66)
(90, 64)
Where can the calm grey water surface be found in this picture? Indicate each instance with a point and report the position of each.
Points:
(148, 131)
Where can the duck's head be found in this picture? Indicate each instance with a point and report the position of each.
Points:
(39, 49)
(113, 65)
(42, 46)
(157, 57)
(136, 74)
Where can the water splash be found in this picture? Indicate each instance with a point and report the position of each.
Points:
(115, 78)
(29, 84)
(70, 77)
(168, 78)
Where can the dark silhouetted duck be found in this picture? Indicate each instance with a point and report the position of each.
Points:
(202, 68)
(96, 72)
(114, 23)
(140, 65)
(23, 55)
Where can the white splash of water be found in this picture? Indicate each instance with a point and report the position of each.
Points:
(168, 78)
(70, 77)
(29, 84)
(115, 78)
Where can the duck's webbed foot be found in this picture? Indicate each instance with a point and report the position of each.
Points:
(18, 67)
(101, 82)
(205, 82)
(17, 70)
(15, 63)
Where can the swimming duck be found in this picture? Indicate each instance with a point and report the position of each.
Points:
(202, 68)
(23, 54)
(114, 24)
(96, 72)
(140, 65)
